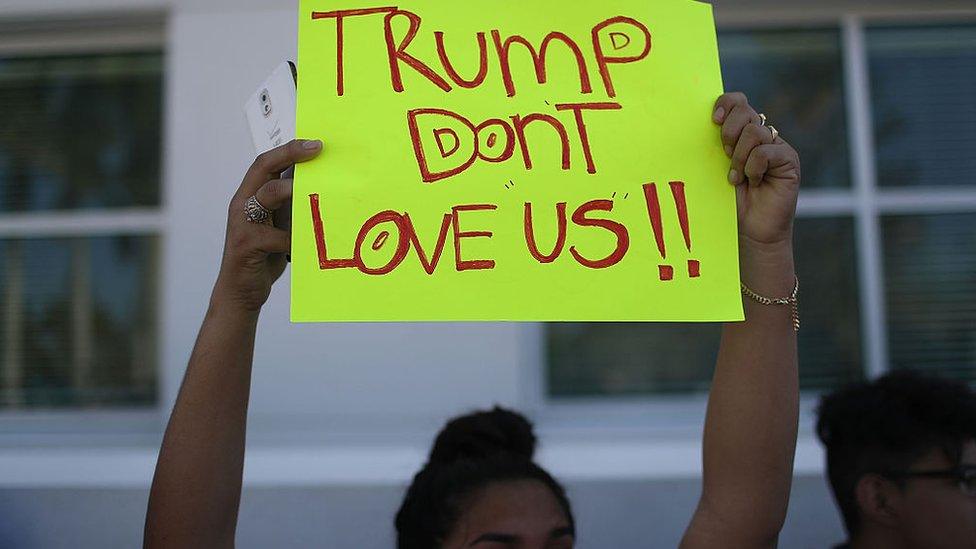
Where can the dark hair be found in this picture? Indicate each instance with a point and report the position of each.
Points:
(888, 425)
(470, 453)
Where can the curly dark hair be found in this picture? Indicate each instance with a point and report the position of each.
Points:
(470, 453)
(887, 426)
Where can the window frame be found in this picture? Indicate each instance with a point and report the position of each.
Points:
(20, 427)
(865, 202)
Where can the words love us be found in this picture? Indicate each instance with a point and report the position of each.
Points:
(407, 239)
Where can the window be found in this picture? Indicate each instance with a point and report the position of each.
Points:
(924, 79)
(922, 86)
(886, 256)
(79, 198)
(930, 271)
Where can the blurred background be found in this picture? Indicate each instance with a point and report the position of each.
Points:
(122, 137)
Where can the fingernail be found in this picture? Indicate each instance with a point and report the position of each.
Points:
(733, 176)
(728, 151)
(719, 115)
(312, 144)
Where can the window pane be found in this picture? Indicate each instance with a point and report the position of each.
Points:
(80, 132)
(589, 359)
(923, 82)
(620, 359)
(797, 79)
(79, 322)
(830, 332)
(930, 279)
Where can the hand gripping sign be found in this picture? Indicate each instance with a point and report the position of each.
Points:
(512, 160)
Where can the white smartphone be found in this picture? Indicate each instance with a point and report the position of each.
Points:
(270, 115)
(271, 110)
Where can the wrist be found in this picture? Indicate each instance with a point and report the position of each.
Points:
(226, 302)
(779, 246)
(767, 267)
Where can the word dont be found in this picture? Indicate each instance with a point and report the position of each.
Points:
(479, 141)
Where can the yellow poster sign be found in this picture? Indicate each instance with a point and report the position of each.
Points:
(512, 160)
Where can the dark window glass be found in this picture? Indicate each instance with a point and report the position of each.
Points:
(79, 321)
(796, 78)
(620, 359)
(830, 336)
(80, 132)
(923, 81)
(590, 359)
(930, 283)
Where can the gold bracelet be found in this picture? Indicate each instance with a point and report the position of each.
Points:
(791, 301)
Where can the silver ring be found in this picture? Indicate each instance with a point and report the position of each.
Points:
(254, 212)
(762, 119)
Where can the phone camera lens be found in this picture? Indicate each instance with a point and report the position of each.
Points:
(265, 100)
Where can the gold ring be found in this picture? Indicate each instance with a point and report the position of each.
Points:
(774, 131)
(762, 119)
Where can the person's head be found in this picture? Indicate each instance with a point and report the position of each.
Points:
(481, 488)
(879, 436)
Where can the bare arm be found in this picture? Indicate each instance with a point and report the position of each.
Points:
(751, 424)
(197, 486)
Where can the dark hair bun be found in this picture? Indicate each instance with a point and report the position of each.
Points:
(480, 435)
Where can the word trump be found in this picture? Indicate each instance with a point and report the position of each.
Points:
(399, 58)
(429, 256)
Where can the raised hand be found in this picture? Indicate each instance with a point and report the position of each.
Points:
(254, 252)
(765, 170)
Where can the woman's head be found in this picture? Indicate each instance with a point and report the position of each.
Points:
(481, 487)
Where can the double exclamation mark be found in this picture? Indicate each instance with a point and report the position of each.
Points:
(654, 213)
